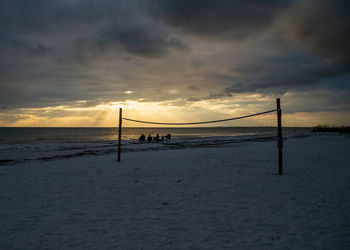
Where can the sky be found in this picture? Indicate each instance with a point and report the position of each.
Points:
(76, 62)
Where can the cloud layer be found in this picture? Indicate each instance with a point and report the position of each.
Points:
(61, 52)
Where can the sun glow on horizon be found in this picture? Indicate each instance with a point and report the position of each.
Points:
(105, 114)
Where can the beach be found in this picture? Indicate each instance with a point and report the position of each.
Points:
(226, 196)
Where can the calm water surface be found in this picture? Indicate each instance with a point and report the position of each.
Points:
(19, 145)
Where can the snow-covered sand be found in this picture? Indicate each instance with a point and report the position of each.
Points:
(223, 197)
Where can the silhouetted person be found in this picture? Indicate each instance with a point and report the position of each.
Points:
(142, 138)
(156, 138)
(168, 136)
(149, 138)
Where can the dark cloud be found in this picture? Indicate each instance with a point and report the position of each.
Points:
(278, 75)
(61, 51)
(98, 26)
(323, 27)
(221, 18)
(238, 88)
(144, 39)
(49, 49)
(18, 45)
(38, 16)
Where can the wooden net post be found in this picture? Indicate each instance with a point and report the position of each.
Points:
(279, 136)
(120, 134)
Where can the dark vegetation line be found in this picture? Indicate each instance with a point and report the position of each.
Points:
(333, 129)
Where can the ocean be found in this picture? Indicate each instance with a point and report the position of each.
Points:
(27, 144)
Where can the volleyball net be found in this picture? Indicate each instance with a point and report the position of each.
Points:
(262, 123)
(265, 125)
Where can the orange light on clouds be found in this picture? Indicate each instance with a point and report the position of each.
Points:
(106, 114)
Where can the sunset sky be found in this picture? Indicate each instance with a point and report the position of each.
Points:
(75, 62)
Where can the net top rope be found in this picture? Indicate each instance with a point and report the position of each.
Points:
(194, 123)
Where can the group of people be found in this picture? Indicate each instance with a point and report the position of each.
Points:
(157, 138)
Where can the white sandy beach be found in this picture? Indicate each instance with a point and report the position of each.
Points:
(223, 197)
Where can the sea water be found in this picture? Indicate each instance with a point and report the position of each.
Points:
(26, 144)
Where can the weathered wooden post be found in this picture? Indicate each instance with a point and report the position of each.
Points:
(120, 134)
(279, 136)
